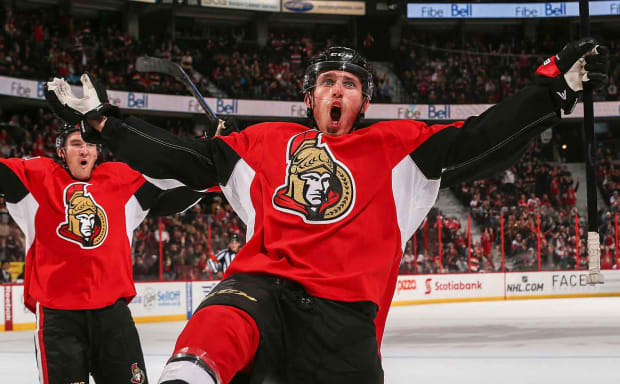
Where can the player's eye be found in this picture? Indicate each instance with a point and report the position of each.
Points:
(328, 82)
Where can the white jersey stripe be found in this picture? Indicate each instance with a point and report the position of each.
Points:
(414, 196)
(24, 213)
(134, 214)
(237, 192)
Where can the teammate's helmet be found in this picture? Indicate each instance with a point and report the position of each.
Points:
(63, 132)
(340, 59)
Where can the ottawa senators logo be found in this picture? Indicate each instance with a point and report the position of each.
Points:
(86, 223)
(318, 188)
(137, 374)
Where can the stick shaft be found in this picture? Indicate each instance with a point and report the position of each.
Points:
(588, 126)
(594, 258)
(167, 67)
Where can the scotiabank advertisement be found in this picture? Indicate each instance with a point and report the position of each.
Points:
(413, 289)
(6, 310)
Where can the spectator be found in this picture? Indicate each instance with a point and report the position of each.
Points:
(5, 276)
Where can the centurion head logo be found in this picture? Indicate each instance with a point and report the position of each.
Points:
(318, 188)
(137, 374)
(85, 223)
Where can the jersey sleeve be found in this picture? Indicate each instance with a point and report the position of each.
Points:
(154, 200)
(166, 160)
(484, 145)
(14, 181)
(176, 200)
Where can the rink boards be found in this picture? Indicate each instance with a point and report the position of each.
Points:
(171, 301)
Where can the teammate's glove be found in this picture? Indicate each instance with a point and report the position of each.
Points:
(76, 110)
(580, 62)
(72, 109)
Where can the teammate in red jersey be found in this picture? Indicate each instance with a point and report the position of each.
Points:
(78, 219)
(328, 210)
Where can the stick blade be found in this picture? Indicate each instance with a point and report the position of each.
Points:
(595, 278)
(594, 260)
(153, 64)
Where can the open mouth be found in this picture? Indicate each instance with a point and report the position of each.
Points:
(335, 113)
(83, 162)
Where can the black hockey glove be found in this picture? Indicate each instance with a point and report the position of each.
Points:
(578, 63)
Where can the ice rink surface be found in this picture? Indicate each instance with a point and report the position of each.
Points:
(509, 342)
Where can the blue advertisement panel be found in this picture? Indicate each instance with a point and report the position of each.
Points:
(508, 10)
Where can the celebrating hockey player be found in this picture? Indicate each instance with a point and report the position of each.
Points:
(78, 218)
(328, 211)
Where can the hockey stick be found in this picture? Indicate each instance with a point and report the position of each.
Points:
(594, 253)
(167, 67)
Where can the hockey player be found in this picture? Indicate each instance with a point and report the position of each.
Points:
(328, 211)
(78, 218)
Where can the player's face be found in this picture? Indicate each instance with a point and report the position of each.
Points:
(234, 246)
(79, 155)
(336, 101)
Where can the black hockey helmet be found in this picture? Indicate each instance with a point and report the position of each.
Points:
(340, 59)
(63, 132)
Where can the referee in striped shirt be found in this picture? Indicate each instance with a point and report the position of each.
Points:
(226, 256)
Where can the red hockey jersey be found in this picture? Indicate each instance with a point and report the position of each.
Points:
(77, 234)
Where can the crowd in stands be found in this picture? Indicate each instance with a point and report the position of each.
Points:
(533, 198)
(433, 67)
(438, 69)
(608, 172)
(189, 240)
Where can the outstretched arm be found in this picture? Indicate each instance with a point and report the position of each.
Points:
(166, 160)
(486, 144)
(174, 201)
(11, 186)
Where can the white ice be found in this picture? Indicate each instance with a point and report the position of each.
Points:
(509, 342)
